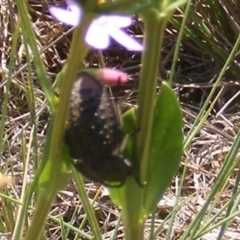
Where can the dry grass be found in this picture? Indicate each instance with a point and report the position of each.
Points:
(196, 72)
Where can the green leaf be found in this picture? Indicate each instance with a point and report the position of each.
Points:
(130, 196)
(29, 38)
(119, 195)
(166, 147)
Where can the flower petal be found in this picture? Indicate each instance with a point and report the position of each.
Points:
(97, 37)
(118, 21)
(72, 17)
(74, 6)
(120, 36)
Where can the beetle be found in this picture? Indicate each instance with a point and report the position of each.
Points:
(93, 133)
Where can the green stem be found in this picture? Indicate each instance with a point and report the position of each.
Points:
(154, 30)
(49, 185)
(44, 203)
(87, 205)
(29, 36)
(77, 55)
(132, 212)
(134, 231)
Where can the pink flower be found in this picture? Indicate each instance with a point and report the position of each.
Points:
(101, 29)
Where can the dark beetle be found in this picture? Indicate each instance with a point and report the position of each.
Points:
(93, 133)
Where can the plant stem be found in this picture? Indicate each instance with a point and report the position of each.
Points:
(43, 203)
(77, 54)
(154, 31)
(50, 185)
(132, 212)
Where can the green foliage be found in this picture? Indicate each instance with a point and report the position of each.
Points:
(166, 146)
(154, 129)
(214, 28)
(132, 197)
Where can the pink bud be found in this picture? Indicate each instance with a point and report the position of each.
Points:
(111, 77)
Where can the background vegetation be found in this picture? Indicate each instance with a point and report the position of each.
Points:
(203, 198)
